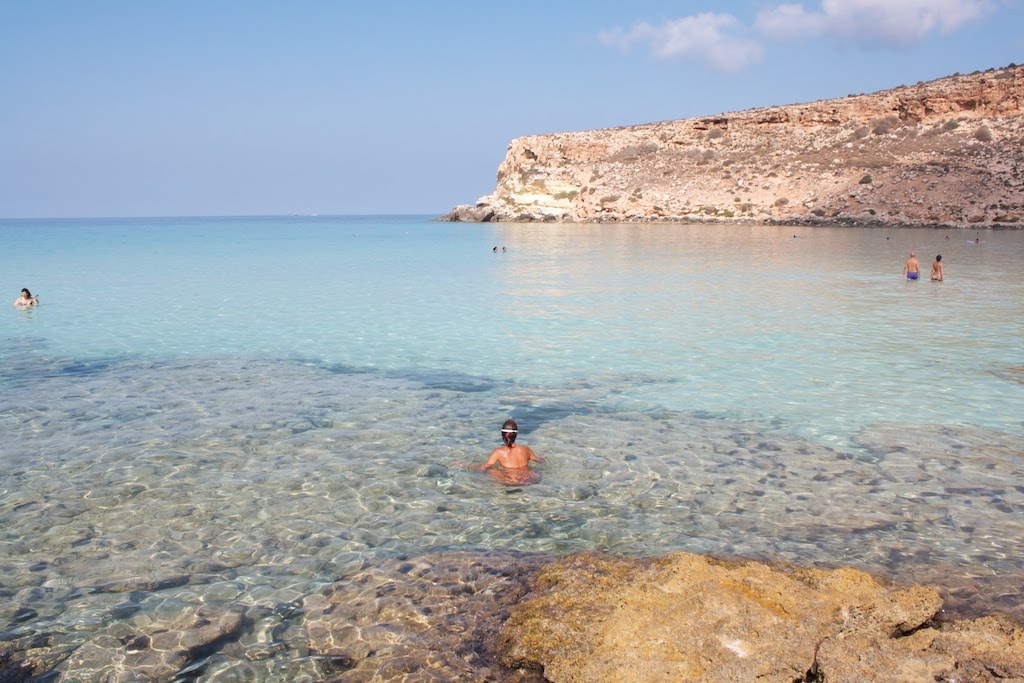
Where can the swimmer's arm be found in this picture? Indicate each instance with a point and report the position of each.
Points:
(491, 461)
(534, 456)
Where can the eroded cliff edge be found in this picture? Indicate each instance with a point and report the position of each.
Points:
(948, 152)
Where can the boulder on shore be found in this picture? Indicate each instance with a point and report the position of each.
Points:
(687, 617)
(464, 213)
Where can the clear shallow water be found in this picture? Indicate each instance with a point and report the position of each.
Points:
(282, 402)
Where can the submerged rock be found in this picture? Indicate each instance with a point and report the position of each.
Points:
(14, 669)
(1013, 373)
(158, 653)
(687, 617)
(436, 616)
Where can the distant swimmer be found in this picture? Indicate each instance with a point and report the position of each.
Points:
(937, 269)
(912, 269)
(514, 459)
(26, 300)
(495, 249)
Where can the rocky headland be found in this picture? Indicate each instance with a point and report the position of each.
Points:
(948, 152)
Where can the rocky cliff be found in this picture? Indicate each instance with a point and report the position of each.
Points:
(948, 152)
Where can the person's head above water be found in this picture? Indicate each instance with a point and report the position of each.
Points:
(509, 432)
(25, 293)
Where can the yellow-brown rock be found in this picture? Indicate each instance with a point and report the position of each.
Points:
(515, 618)
(687, 617)
(947, 152)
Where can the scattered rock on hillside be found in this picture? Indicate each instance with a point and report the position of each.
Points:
(948, 152)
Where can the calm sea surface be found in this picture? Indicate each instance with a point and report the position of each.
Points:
(266, 405)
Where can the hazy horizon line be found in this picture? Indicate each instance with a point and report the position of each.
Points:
(225, 215)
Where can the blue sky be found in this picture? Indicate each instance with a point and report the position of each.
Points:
(242, 108)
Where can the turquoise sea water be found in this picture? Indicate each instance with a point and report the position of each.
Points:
(819, 331)
(272, 403)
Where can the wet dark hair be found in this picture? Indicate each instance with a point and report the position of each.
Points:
(25, 291)
(509, 432)
(939, 257)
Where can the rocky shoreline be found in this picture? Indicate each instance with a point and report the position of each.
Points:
(947, 153)
(252, 575)
(688, 617)
(502, 616)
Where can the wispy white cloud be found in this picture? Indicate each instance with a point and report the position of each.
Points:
(870, 23)
(791, 21)
(723, 42)
(715, 39)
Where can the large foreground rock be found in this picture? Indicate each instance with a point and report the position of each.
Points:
(687, 617)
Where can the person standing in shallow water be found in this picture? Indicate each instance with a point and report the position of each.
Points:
(912, 269)
(26, 300)
(514, 459)
(937, 269)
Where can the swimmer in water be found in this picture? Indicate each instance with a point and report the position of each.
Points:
(937, 269)
(26, 300)
(912, 269)
(513, 459)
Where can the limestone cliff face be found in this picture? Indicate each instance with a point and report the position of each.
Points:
(947, 152)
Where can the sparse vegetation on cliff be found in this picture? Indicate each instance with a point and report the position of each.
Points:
(921, 152)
